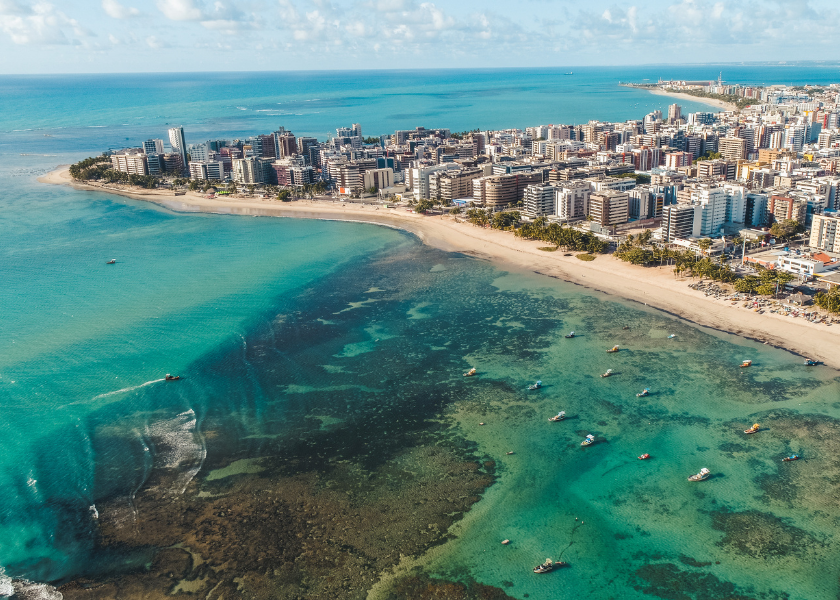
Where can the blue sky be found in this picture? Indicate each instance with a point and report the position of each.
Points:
(222, 35)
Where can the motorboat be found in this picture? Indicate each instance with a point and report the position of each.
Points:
(548, 566)
(590, 439)
(672, 336)
(643, 393)
(111, 262)
(809, 362)
(613, 349)
(559, 416)
(644, 456)
(746, 363)
(608, 373)
(753, 429)
(703, 474)
(790, 458)
(470, 373)
(570, 335)
(172, 377)
(535, 386)
(505, 542)
(509, 453)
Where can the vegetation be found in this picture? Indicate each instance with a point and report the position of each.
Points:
(585, 257)
(284, 196)
(90, 168)
(372, 140)
(787, 229)
(707, 156)
(424, 205)
(764, 283)
(568, 238)
(738, 101)
(505, 220)
(463, 134)
(829, 300)
(455, 211)
(641, 178)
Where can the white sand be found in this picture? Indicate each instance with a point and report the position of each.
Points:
(652, 286)
(709, 101)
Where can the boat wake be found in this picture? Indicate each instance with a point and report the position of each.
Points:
(128, 389)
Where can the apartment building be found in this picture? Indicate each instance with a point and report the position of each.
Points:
(571, 200)
(609, 208)
(539, 200)
(133, 163)
(825, 232)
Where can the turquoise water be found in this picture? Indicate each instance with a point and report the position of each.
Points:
(331, 343)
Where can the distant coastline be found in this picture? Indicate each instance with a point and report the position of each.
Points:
(657, 288)
(689, 98)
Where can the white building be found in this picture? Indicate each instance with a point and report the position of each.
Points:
(539, 200)
(572, 200)
(207, 170)
(420, 178)
(736, 203)
(132, 163)
(153, 146)
(801, 266)
(378, 178)
(178, 143)
(712, 202)
(250, 170)
(825, 233)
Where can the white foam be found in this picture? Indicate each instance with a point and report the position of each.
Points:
(93, 512)
(6, 587)
(26, 590)
(128, 389)
(184, 447)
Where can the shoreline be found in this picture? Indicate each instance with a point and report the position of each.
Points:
(654, 287)
(726, 106)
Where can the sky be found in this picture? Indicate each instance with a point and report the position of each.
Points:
(102, 36)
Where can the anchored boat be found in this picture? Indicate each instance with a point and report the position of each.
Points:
(535, 386)
(613, 349)
(470, 373)
(608, 373)
(643, 393)
(548, 566)
(746, 363)
(559, 416)
(790, 458)
(590, 439)
(570, 335)
(644, 456)
(703, 474)
(753, 429)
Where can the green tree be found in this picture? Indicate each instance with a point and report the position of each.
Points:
(830, 300)
(455, 210)
(784, 230)
(423, 206)
(284, 196)
(704, 245)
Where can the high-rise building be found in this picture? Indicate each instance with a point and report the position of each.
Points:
(133, 163)
(303, 146)
(678, 221)
(733, 148)
(251, 170)
(783, 208)
(153, 146)
(825, 232)
(207, 170)
(674, 113)
(609, 208)
(539, 200)
(284, 144)
(756, 210)
(178, 144)
(572, 199)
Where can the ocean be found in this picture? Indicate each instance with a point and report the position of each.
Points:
(322, 434)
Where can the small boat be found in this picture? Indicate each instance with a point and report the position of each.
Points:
(746, 363)
(672, 336)
(644, 456)
(753, 429)
(626, 327)
(559, 416)
(790, 458)
(548, 566)
(703, 474)
(613, 349)
(470, 373)
(111, 262)
(172, 377)
(643, 393)
(505, 542)
(608, 373)
(809, 362)
(570, 335)
(535, 386)
(590, 439)
(509, 453)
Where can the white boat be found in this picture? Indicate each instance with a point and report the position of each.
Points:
(470, 373)
(590, 439)
(559, 416)
(570, 335)
(548, 566)
(703, 474)
(608, 373)
(643, 393)
(672, 336)
(535, 386)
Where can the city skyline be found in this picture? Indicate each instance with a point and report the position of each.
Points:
(130, 36)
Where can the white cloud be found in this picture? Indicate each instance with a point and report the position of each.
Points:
(180, 10)
(39, 23)
(116, 10)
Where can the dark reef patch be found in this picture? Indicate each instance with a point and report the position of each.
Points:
(667, 580)
(762, 535)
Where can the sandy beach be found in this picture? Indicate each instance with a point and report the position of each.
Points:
(688, 97)
(655, 287)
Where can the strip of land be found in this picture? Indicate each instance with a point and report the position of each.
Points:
(655, 287)
(689, 98)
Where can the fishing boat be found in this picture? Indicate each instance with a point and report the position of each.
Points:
(172, 377)
(746, 363)
(548, 566)
(558, 417)
(790, 458)
(644, 456)
(535, 386)
(613, 349)
(703, 474)
(470, 373)
(111, 262)
(809, 362)
(590, 439)
(753, 429)
(570, 335)
(608, 373)
(643, 393)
